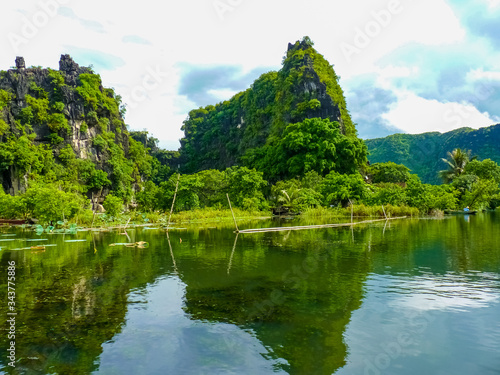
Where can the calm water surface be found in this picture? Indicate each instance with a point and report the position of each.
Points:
(417, 296)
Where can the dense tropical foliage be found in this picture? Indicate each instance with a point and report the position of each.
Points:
(66, 154)
(423, 153)
(286, 124)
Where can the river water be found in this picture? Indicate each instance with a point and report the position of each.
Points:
(411, 296)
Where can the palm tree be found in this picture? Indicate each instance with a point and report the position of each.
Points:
(457, 161)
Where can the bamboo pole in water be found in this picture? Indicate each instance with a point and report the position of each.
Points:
(232, 253)
(93, 209)
(232, 213)
(277, 229)
(125, 227)
(172, 254)
(173, 201)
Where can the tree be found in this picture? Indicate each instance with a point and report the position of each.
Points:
(11, 207)
(113, 205)
(245, 187)
(314, 144)
(147, 198)
(481, 194)
(486, 169)
(389, 172)
(341, 188)
(457, 161)
(294, 195)
(388, 193)
(215, 187)
(49, 203)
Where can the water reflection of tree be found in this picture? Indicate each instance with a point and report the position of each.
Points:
(70, 300)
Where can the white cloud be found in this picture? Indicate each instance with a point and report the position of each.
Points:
(455, 292)
(223, 94)
(480, 74)
(426, 22)
(493, 4)
(413, 114)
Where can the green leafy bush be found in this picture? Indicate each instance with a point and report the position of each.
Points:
(48, 203)
(57, 122)
(4, 127)
(84, 127)
(5, 98)
(339, 189)
(389, 172)
(113, 205)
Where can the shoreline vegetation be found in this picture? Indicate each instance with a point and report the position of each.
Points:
(211, 216)
(380, 190)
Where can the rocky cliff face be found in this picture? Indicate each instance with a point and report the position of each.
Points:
(52, 109)
(306, 87)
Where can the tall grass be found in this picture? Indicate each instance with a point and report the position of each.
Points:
(209, 214)
(213, 214)
(360, 210)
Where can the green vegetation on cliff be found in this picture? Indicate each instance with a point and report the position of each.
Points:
(63, 138)
(277, 124)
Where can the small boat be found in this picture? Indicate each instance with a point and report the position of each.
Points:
(455, 212)
(13, 221)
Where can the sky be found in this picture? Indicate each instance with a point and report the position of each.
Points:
(406, 66)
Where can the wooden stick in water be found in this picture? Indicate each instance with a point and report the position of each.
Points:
(236, 225)
(173, 201)
(127, 223)
(277, 229)
(232, 253)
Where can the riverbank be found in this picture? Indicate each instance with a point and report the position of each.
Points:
(210, 216)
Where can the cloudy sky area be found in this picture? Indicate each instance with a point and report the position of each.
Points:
(405, 66)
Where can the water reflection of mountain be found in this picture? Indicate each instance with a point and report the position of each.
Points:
(294, 292)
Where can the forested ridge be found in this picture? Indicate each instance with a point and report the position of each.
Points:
(422, 153)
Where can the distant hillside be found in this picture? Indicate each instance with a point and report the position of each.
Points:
(422, 153)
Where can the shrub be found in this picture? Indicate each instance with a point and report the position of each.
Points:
(84, 127)
(48, 203)
(57, 121)
(11, 207)
(113, 205)
(4, 127)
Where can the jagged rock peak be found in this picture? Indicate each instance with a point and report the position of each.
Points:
(20, 64)
(67, 64)
(304, 44)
